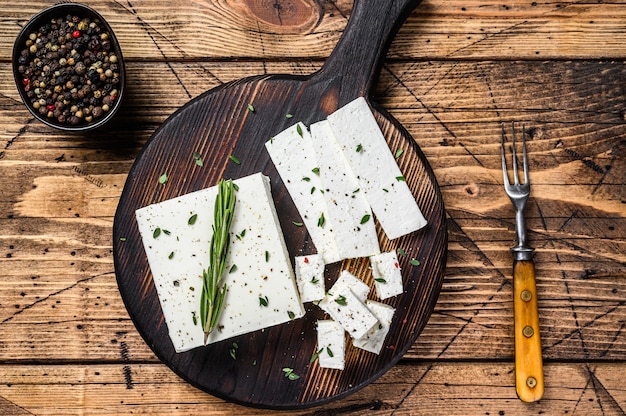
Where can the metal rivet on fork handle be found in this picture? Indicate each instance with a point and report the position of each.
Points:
(526, 296)
(528, 331)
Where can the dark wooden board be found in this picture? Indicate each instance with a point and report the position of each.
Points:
(218, 124)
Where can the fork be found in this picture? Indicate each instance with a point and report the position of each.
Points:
(529, 382)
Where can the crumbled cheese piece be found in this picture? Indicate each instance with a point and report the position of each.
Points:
(292, 153)
(310, 277)
(177, 276)
(374, 339)
(380, 178)
(344, 307)
(349, 213)
(387, 275)
(331, 344)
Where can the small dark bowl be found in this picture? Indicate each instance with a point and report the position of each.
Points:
(34, 24)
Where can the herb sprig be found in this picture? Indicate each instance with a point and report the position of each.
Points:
(213, 292)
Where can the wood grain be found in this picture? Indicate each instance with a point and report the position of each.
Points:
(454, 72)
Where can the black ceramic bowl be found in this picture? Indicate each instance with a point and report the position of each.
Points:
(68, 68)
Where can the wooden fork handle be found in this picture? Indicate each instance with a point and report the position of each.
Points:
(528, 361)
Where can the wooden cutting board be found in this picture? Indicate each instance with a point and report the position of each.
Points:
(218, 124)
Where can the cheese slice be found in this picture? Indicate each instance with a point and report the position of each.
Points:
(331, 344)
(292, 153)
(375, 166)
(258, 262)
(349, 213)
(310, 277)
(375, 338)
(387, 274)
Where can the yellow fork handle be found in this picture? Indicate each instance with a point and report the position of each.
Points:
(528, 362)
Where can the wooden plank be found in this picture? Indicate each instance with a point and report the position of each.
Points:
(438, 29)
(410, 388)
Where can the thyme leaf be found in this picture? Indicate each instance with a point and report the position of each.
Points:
(341, 299)
(198, 159)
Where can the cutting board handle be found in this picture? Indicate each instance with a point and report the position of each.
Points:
(354, 64)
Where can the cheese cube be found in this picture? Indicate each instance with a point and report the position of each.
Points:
(387, 274)
(353, 316)
(380, 178)
(331, 344)
(374, 339)
(292, 153)
(349, 281)
(349, 213)
(258, 262)
(310, 277)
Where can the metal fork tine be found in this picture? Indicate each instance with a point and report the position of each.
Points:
(515, 173)
(525, 156)
(503, 153)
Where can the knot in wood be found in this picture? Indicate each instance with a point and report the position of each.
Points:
(285, 16)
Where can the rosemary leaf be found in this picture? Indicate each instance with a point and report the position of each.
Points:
(213, 292)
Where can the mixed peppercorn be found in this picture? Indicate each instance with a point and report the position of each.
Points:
(70, 71)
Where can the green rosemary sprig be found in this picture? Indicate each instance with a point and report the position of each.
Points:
(213, 292)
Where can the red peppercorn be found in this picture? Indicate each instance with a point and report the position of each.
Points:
(51, 107)
(113, 97)
(76, 34)
(306, 260)
(26, 81)
(397, 265)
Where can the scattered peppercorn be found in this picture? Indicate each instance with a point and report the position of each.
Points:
(70, 70)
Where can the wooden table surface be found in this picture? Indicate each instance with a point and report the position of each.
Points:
(454, 72)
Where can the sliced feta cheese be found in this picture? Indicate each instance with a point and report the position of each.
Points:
(258, 264)
(374, 339)
(375, 166)
(387, 274)
(310, 277)
(349, 213)
(331, 344)
(344, 307)
(292, 153)
(347, 280)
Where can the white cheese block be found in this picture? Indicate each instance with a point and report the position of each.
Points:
(349, 213)
(380, 178)
(345, 307)
(262, 268)
(292, 153)
(375, 338)
(387, 274)
(331, 344)
(310, 277)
